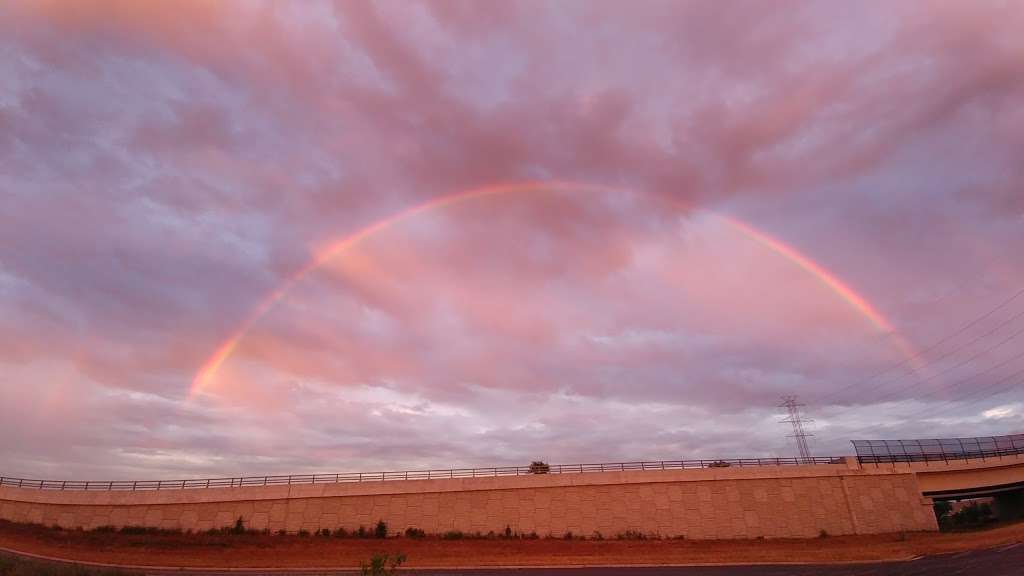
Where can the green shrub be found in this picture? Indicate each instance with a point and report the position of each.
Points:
(942, 508)
(381, 530)
(453, 535)
(411, 532)
(361, 532)
(974, 514)
(382, 564)
(539, 467)
(340, 533)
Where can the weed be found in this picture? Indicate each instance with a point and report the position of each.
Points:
(382, 564)
(411, 532)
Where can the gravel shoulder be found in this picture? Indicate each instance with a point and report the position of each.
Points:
(271, 551)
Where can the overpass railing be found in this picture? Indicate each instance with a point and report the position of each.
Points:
(242, 481)
(938, 449)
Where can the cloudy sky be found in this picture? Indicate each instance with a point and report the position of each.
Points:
(264, 237)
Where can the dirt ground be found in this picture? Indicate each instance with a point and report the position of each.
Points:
(272, 551)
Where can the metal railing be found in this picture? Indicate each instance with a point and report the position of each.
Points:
(938, 449)
(241, 481)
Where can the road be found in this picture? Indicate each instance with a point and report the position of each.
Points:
(1005, 561)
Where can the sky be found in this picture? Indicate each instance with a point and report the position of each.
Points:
(290, 237)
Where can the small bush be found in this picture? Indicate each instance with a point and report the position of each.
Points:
(597, 536)
(282, 532)
(508, 531)
(823, 533)
(361, 532)
(147, 530)
(105, 528)
(453, 535)
(381, 530)
(631, 535)
(539, 467)
(411, 532)
(974, 514)
(239, 526)
(382, 564)
(340, 533)
(719, 464)
(567, 535)
(324, 532)
(303, 533)
(942, 508)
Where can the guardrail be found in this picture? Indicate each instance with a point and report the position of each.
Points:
(938, 449)
(242, 481)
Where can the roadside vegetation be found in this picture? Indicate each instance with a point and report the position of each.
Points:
(972, 516)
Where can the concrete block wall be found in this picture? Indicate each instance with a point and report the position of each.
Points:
(788, 501)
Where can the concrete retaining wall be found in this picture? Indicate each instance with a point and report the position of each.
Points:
(786, 501)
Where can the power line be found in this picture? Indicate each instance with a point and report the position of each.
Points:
(979, 395)
(935, 345)
(948, 406)
(984, 352)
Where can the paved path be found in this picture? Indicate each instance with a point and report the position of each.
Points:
(1005, 561)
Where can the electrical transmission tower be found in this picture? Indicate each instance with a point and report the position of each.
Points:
(794, 418)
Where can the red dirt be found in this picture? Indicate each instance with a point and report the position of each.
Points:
(270, 551)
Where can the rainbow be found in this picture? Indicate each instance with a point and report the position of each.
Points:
(209, 369)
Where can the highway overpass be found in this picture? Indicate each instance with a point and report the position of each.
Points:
(873, 492)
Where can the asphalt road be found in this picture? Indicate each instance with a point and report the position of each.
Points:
(1006, 561)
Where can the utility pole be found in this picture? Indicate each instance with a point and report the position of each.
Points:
(790, 403)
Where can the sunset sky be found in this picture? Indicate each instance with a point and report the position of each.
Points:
(271, 237)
